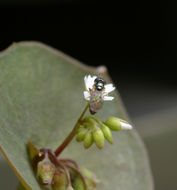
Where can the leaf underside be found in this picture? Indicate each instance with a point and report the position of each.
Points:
(41, 97)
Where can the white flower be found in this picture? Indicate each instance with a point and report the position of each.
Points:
(89, 85)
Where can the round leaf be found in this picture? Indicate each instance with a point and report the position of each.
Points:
(41, 98)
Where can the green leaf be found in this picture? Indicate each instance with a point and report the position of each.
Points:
(41, 97)
(20, 187)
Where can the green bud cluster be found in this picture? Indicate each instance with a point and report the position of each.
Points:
(60, 182)
(60, 174)
(92, 130)
(55, 178)
(90, 133)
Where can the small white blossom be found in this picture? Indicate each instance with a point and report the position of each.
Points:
(89, 85)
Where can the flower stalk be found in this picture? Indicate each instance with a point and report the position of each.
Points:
(64, 174)
(72, 133)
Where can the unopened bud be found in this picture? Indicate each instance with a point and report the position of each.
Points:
(45, 171)
(78, 184)
(107, 133)
(90, 176)
(59, 181)
(89, 122)
(81, 134)
(98, 137)
(117, 124)
(88, 140)
(113, 123)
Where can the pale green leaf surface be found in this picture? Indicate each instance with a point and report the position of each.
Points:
(41, 97)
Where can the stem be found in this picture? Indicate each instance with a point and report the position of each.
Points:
(72, 134)
(96, 119)
(68, 161)
(66, 173)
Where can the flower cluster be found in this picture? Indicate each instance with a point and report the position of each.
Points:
(58, 173)
(92, 130)
(64, 174)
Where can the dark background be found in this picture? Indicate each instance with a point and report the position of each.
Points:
(135, 40)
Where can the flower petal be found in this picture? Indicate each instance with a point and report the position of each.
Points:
(125, 126)
(87, 95)
(89, 81)
(86, 83)
(109, 88)
(107, 98)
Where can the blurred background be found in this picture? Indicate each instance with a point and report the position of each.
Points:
(137, 41)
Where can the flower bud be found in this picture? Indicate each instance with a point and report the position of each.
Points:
(78, 184)
(45, 171)
(89, 122)
(113, 123)
(59, 181)
(98, 137)
(107, 133)
(117, 124)
(90, 177)
(81, 134)
(88, 140)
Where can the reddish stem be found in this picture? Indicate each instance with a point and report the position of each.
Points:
(65, 160)
(71, 135)
(67, 173)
